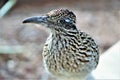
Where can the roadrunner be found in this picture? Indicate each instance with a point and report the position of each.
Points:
(68, 53)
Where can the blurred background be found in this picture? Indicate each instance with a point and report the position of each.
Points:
(21, 45)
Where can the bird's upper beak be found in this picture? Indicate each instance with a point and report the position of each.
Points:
(38, 20)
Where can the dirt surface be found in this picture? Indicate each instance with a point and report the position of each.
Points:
(98, 18)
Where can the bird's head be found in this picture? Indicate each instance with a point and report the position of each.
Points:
(61, 19)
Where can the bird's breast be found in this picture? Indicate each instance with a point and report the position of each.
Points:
(63, 55)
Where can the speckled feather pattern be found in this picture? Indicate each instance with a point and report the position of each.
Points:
(70, 56)
(68, 53)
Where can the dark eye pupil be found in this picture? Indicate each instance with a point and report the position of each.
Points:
(67, 24)
(62, 21)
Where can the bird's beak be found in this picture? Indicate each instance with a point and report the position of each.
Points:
(38, 20)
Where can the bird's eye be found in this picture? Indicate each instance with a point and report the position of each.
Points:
(67, 20)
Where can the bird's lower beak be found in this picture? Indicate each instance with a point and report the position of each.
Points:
(38, 20)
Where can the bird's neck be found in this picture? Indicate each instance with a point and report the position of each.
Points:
(62, 36)
(60, 42)
(61, 32)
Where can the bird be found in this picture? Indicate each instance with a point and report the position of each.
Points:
(68, 53)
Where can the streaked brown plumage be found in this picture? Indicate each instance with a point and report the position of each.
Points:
(68, 53)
